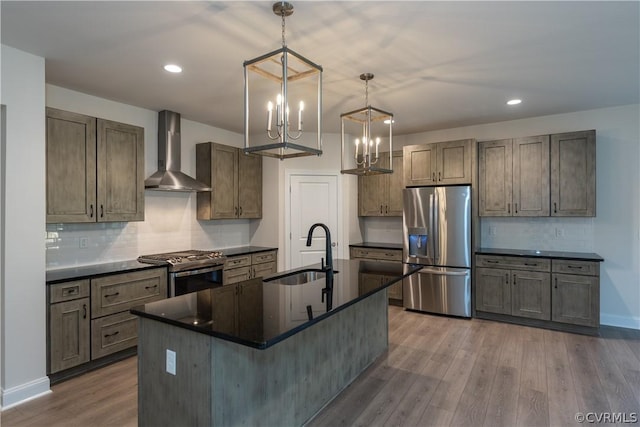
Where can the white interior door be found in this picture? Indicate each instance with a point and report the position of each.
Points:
(313, 198)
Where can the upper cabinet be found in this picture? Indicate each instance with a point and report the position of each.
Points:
(235, 179)
(538, 176)
(573, 174)
(381, 195)
(95, 169)
(514, 177)
(441, 163)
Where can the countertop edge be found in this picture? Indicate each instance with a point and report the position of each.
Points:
(527, 253)
(377, 245)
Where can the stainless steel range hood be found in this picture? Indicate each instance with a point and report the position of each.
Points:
(169, 177)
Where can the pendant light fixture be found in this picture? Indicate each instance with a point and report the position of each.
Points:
(282, 99)
(368, 125)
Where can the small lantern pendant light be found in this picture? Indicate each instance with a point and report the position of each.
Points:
(270, 82)
(371, 122)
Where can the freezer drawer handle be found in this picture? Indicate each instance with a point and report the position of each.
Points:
(444, 273)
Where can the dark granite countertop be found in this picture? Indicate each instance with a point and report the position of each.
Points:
(578, 256)
(273, 311)
(376, 245)
(94, 270)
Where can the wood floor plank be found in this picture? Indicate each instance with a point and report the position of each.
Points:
(439, 371)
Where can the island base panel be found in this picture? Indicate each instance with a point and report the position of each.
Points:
(219, 382)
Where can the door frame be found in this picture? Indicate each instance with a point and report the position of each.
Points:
(288, 173)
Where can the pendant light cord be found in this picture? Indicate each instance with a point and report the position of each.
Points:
(283, 25)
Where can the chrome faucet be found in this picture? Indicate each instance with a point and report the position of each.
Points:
(327, 250)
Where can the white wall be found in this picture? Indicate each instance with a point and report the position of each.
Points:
(170, 222)
(614, 233)
(22, 273)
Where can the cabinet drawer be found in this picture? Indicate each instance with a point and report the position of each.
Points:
(120, 292)
(261, 257)
(235, 275)
(68, 291)
(531, 264)
(587, 268)
(264, 269)
(113, 333)
(237, 261)
(379, 254)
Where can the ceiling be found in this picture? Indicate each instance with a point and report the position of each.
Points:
(436, 64)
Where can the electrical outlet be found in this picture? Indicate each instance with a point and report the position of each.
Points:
(492, 230)
(171, 362)
(84, 242)
(559, 232)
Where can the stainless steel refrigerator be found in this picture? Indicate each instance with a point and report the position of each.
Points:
(437, 234)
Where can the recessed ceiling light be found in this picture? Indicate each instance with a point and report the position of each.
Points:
(173, 68)
(514, 101)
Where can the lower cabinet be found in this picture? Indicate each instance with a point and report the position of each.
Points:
(89, 319)
(373, 280)
(539, 289)
(244, 267)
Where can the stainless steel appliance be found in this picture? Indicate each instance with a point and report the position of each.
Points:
(190, 271)
(437, 234)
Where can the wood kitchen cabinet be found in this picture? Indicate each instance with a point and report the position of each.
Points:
(513, 177)
(573, 174)
(381, 195)
(248, 266)
(515, 286)
(235, 179)
(371, 281)
(95, 169)
(576, 292)
(442, 163)
(68, 325)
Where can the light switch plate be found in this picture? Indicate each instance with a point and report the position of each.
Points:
(171, 362)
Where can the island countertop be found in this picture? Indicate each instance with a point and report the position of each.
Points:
(262, 312)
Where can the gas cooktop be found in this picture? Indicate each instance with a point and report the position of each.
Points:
(185, 260)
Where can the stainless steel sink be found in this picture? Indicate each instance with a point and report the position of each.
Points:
(299, 278)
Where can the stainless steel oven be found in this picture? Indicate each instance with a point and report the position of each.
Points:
(189, 271)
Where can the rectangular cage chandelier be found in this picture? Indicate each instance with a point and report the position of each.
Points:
(370, 125)
(272, 126)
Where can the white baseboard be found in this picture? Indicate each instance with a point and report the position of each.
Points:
(620, 321)
(16, 395)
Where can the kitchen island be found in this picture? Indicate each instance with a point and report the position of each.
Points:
(270, 351)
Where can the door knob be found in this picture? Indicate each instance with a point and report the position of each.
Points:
(333, 244)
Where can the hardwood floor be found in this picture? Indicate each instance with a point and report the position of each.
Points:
(438, 371)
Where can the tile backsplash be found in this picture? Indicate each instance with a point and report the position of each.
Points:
(549, 234)
(169, 225)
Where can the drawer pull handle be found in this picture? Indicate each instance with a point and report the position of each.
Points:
(112, 295)
(530, 264)
(555, 207)
(151, 287)
(71, 291)
(575, 267)
(84, 311)
(111, 335)
(556, 285)
(489, 261)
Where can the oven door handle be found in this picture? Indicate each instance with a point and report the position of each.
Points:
(198, 271)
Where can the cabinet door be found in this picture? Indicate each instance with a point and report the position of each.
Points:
(224, 182)
(495, 177)
(120, 172)
(372, 195)
(573, 174)
(395, 186)
(368, 282)
(71, 167)
(223, 309)
(453, 162)
(250, 310)
(249, 185)
(531, 176)
(420, 165)
(68, 334)
(493, 290)
(530, 295)
(576, 300)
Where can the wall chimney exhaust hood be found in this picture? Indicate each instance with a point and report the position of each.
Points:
(169, 177)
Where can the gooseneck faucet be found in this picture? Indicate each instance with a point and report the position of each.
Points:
(327, 250)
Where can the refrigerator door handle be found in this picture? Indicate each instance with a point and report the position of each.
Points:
(435, 230)
(443, 272)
